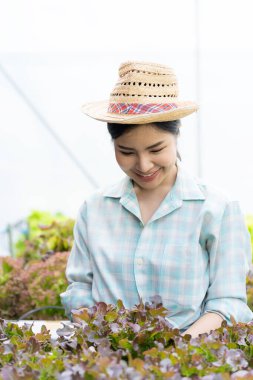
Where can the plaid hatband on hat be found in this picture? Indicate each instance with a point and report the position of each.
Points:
(136, 108)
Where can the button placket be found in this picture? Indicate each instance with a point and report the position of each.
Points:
(140, 261)
(140, 270)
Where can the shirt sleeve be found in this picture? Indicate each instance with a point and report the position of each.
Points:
(78, 271)
(229, 262)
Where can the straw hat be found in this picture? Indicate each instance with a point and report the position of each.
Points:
(145, 93)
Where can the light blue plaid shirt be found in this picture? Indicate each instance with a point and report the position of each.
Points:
(194, 252)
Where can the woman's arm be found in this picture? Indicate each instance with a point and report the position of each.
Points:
(78, 272)
(206, 323)
(230, 257)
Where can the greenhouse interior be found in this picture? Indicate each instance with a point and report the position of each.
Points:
(56, 57)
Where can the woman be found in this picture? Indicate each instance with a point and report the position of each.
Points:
(159, 230)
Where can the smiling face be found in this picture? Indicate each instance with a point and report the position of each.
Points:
(148, 156)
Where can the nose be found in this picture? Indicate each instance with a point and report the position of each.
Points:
(143, 164)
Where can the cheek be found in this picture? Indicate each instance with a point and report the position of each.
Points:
(123, 162)
(168, 158)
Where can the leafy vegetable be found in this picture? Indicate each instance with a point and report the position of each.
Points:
(112, 342)
(36, 277)
(38, 283)
(46, 234)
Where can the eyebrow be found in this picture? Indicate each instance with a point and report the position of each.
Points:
(149, 147)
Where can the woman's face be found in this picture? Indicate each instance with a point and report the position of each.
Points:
(147, 155)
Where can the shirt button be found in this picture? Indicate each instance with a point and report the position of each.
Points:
(140, 261)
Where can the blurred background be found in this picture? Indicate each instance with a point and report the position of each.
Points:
(56, 55)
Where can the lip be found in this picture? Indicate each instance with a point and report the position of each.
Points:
(149, 178)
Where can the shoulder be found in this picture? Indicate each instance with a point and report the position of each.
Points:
(192, 185)
(213, 192)
(215, 199)
(102, 194)
(220, 205)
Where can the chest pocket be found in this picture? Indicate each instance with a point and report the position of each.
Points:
(183, 278)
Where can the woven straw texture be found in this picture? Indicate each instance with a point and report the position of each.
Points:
(144, 93)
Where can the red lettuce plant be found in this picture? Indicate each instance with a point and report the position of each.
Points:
(15, 298)
(46, 281)
(27, 286)
(112, 342)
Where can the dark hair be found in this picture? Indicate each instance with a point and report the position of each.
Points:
(116, 130)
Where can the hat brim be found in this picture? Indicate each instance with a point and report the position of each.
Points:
(98, 111)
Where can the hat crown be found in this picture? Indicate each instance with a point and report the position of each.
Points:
(144, 83)
(144, 93)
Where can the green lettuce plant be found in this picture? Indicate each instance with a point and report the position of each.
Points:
(46, 233)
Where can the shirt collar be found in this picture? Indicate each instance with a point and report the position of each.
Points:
(119, 189)
(186, 187)
(189, 187)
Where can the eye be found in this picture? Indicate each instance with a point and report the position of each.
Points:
(126, 153)
(156, 151)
